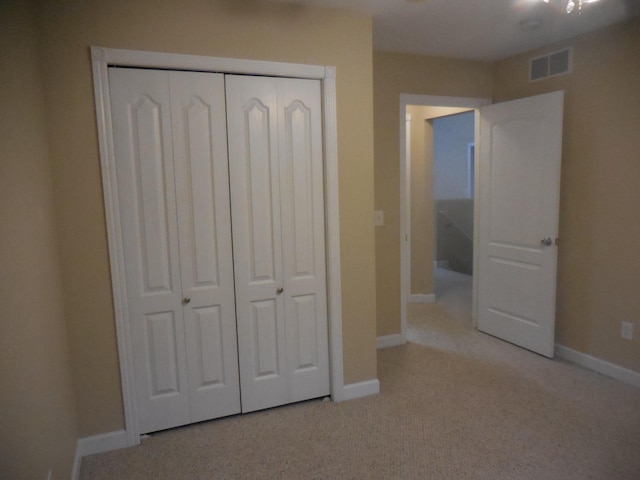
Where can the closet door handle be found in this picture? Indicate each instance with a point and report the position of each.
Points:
(186, 300)
(279, 290)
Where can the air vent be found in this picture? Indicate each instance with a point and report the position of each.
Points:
(550, 65)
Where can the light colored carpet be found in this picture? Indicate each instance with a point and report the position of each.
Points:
(455, 404)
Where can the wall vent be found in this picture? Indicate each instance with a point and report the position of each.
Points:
(550, 65)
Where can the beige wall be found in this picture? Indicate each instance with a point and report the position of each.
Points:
(231, 28)
(421, 201)
(598, 260)
(394, 74)
(598, 263)
(37, 412)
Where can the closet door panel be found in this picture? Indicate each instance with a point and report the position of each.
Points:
(204, 220)
(265, 328)
(140, 108)
(275, 148)
(259, 183)
(303, 238)
(252, 120)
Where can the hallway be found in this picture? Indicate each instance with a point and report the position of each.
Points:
(436, 324)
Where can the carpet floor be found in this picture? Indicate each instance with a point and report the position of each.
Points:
(454, 404)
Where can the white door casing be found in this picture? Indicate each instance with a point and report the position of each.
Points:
(520, 156)
(278, 217)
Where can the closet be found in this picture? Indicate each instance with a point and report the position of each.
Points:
(221, 216)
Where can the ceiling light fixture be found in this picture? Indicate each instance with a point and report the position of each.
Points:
(572, 4)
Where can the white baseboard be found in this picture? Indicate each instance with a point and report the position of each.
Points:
(391, 340)
(97, 444)
(597, 365)
(422, 298)
(361, 389)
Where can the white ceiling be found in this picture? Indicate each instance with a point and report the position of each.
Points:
(478, 29)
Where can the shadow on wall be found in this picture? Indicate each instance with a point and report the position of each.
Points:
(454, 237)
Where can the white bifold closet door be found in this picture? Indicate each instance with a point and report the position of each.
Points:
(172, 172)
(277, 199)
(211, 324)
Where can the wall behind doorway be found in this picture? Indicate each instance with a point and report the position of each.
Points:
(453, 198)
(452, 134)
(421, 155)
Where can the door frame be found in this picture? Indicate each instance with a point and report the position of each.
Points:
(405, 195)
(101, 59)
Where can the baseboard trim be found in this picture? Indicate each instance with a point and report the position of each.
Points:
(103, 442)
(441, 263)
(361, 389)
(391, 340)
(75, 471)
(422, 298)
(597, 365)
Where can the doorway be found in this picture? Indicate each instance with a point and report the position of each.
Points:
(453, 159)
(428, 107)
(518, 176)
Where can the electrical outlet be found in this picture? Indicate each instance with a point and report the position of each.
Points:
(626, 330)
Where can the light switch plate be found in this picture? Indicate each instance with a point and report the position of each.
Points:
(626, 330)
(378, 218)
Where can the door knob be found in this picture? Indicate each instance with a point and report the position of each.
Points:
(279, 290)
(186, 300)
(547, 242)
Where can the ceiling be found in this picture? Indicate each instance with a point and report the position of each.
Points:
(479, 29)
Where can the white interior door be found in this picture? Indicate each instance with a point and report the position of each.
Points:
(206, 263)
(275, 154)
(520, 154)
(171, 169)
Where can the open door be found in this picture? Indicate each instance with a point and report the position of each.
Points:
(519, 189)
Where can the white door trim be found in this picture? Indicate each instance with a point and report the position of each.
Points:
(102, 58)
(405, 195)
